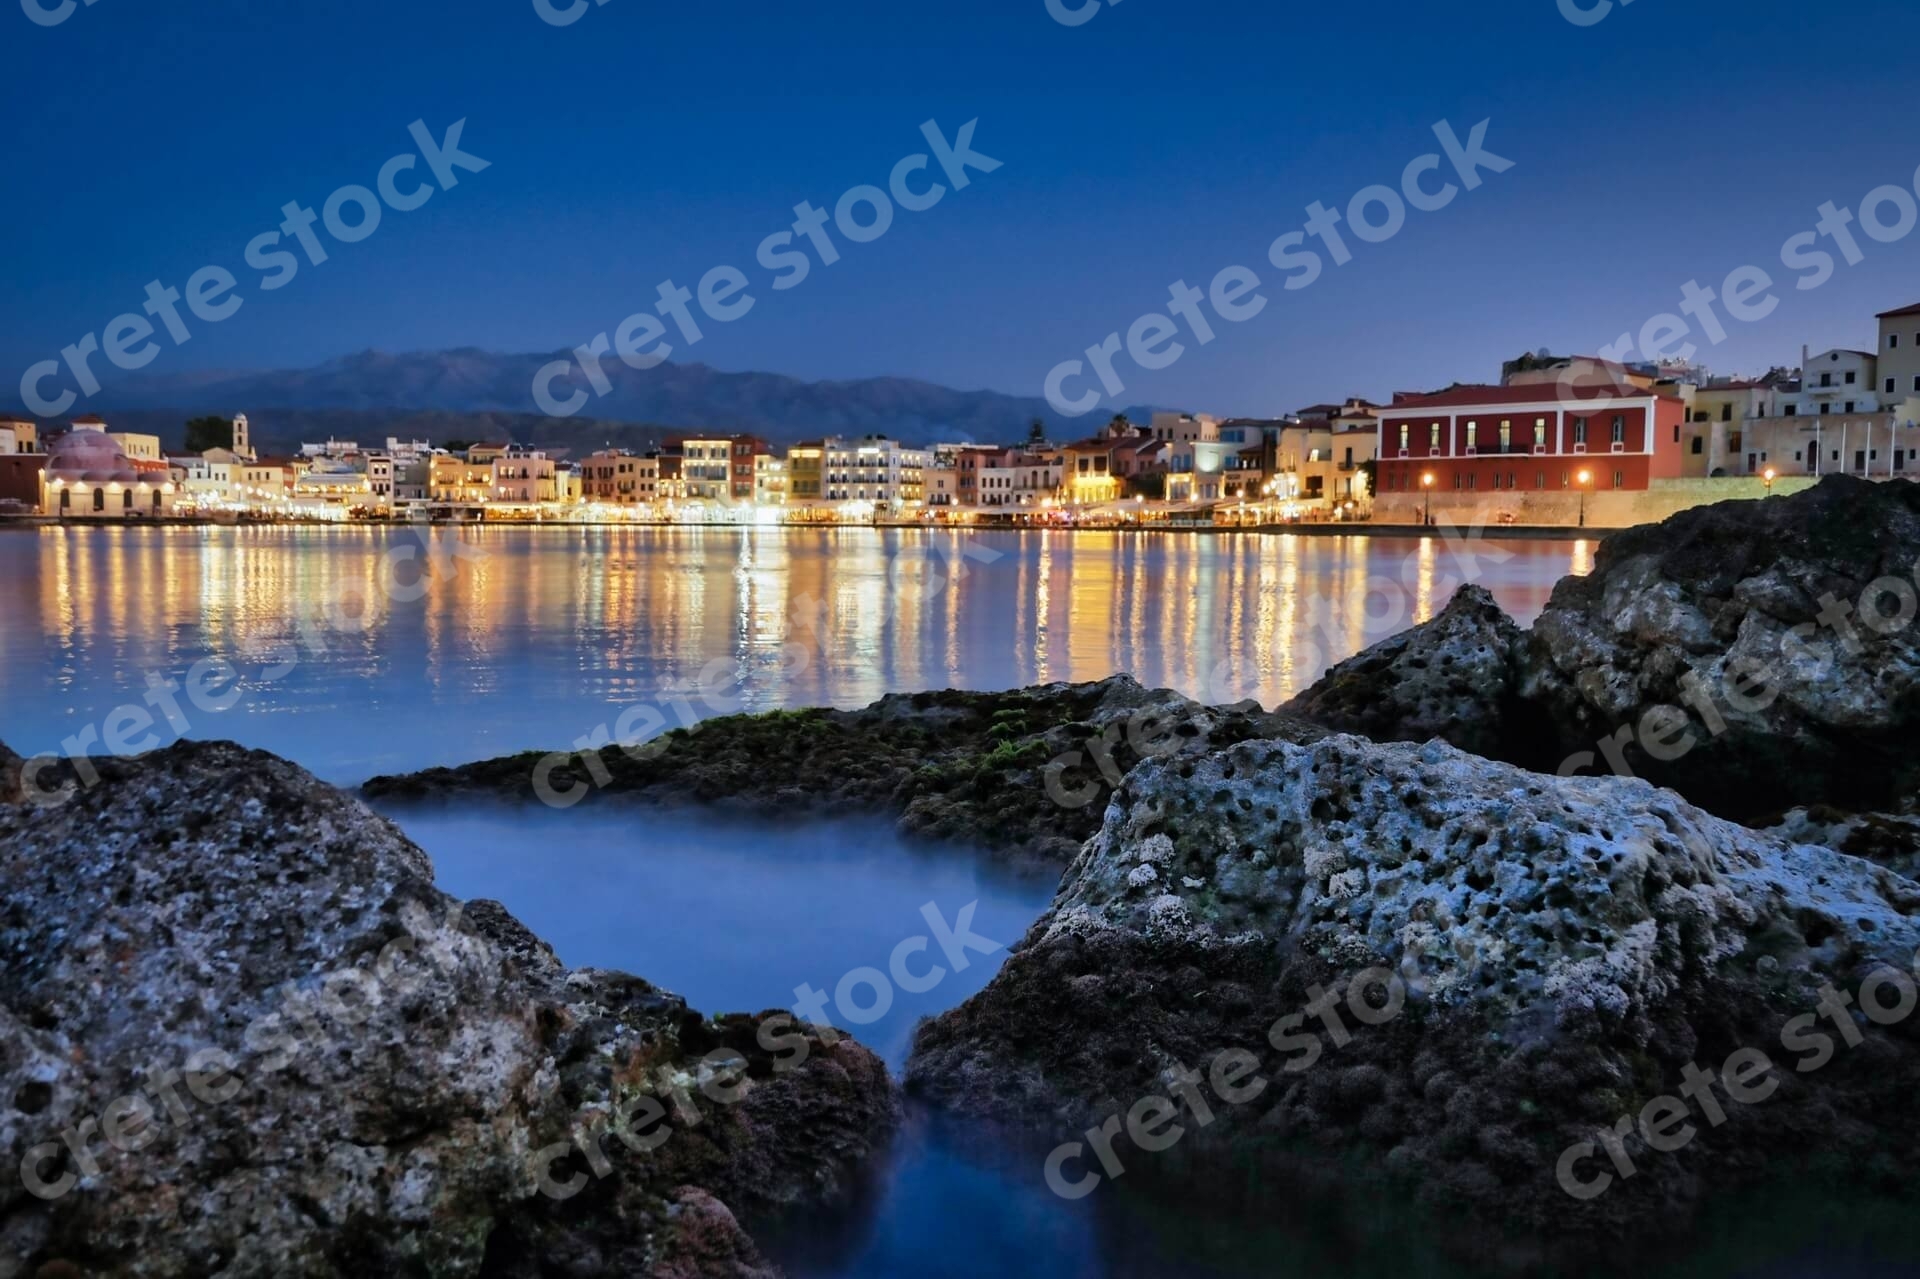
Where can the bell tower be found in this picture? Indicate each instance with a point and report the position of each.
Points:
(242, 444)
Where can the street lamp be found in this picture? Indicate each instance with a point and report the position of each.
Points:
(1584, 478)
(1768, 476)
(1426, 486)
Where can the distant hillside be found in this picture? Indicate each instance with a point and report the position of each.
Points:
(469, 394)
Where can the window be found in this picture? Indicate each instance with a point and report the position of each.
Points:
(66, 499)
(99, 499)
(1697, 443)
(1456, 479)
(1619, 479)
(1473, 481)
(126, 500)
(1539, 432)
(1726, 412)
(1889, 386)
(1619, 429)
(1916, 384)
(156, 501)
(1791, 410)
(1473, 434)
(1826, 409)
(1406, 429)
(1893, 341)
(1433, 438)
(1539, 479)
(1579, 430)
(1676, 434)
(1506, 434)
(1849, 406)
(1826, 379)
(1850, 378)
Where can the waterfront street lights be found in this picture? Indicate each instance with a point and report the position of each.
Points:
(1426, 486)
(1583, 479)
(1768, 476)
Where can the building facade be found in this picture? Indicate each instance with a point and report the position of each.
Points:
(1486, 439)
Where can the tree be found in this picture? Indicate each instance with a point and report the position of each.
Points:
(1037, 433)
(205, 433)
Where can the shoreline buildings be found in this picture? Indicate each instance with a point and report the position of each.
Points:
(1557, 441)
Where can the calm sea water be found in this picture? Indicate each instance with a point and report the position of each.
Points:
(534, 637)
(542, 635)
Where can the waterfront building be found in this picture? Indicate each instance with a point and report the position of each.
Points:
(769, 480)
(806, 473)
(744, 474)
(24, 435)
(21, 485)
(1839, 381)
(142, 448)
(613, 477)
(207, 480)
(524, 477)
(267, 483)
(1493, 438)
(707, 469)
(332, 488)
(874, 475)
(87, 476)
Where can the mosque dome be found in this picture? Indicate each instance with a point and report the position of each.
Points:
(89, 457)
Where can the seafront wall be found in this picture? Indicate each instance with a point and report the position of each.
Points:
(1606, 509)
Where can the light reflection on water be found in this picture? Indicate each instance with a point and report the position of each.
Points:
(547, 633)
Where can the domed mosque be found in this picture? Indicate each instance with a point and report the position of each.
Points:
(89, 476)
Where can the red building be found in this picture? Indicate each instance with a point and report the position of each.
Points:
(20, 480)
(1529, 438)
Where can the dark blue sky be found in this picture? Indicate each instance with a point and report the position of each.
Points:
(1675, 139)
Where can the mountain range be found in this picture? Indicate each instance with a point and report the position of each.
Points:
(480, 395)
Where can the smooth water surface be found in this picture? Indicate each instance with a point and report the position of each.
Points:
(533, 638)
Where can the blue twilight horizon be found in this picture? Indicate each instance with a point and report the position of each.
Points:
(1655, 144)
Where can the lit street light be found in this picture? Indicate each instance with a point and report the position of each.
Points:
(1583, 479)
(1426, 486)
(1768, 475)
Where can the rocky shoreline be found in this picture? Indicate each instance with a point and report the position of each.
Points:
(1022, 775)
(241, 1032)
(1473, 911)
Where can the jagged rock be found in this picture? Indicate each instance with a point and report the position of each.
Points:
(10, 765)
(1022, 774)
(1716, 595)
(1455, 678)
(392, 1075)
(1565, 946)
(1647, 667)
(1891, 839)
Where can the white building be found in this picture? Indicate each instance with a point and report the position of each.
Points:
(875, 471)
